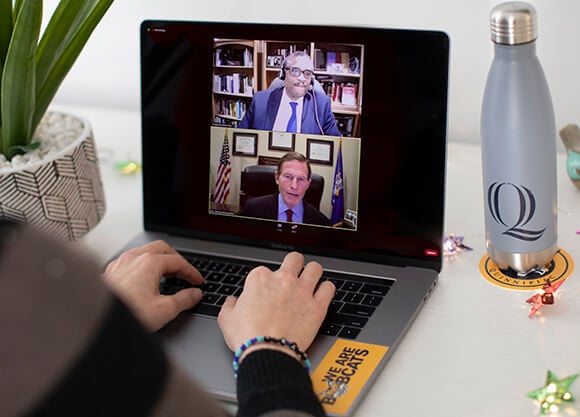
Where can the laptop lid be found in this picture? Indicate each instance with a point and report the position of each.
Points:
(387, 92)
(398, 85)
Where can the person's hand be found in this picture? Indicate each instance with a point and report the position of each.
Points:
(284, 303)
(135, 275)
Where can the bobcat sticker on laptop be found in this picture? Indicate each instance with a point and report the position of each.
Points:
(344, 371)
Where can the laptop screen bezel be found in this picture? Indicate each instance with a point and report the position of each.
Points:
(422, 131)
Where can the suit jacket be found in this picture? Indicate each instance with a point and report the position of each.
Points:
(266, 207)
(264, 108)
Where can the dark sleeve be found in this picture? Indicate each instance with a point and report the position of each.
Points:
(314, 216)
(328, 121)
(247, 210)
(271, 381)
(73, 348)
(248, 119)
(262, 207)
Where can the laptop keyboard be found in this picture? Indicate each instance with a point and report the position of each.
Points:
(354, 302)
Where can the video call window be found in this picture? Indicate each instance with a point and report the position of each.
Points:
(284, 140)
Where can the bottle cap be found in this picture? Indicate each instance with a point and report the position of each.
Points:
(513, 23)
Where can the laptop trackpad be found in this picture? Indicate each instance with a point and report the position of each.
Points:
(208, 361)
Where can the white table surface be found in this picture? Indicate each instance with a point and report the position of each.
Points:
(472, 351)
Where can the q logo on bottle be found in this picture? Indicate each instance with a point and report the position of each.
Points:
(527, 210)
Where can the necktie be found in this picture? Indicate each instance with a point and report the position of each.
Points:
(292, 122)
(289, 215)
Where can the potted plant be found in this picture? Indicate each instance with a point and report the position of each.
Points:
(49, 173)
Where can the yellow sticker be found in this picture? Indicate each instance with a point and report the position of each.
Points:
(558, 269)
(343, 372)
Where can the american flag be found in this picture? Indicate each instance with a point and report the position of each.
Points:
(222, 185)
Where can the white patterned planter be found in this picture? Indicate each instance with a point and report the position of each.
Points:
(61, 194)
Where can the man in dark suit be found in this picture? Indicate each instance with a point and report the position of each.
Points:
(294, 107)
(293, 179)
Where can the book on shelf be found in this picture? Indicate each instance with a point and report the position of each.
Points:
(340, 93)
(218, 57)
(344, 58)
(225, 122)
(348, 96)
(336, 93)
(234, 109)
(327, 83)
(330, 59)
(319, 59)
(247, 58)
(233, 84)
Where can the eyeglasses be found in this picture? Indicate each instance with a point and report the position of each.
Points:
(295, 72)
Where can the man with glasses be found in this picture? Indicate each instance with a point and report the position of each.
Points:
(296, 106)
(288, 205)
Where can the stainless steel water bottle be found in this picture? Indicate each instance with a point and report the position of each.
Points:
(518, 134)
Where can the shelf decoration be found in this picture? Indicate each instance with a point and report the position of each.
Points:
(452, 245)
(545, 296)
(554, 392)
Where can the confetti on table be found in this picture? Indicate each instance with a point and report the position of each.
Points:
(545, 296)
(554, 392)
(128, 167)
(454, 244)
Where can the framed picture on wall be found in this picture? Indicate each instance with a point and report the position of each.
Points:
(320, 151)
(281, 141)
(245, 144)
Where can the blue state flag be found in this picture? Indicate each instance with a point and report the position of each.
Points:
(338, 191)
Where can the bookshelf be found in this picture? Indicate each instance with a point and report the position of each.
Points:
(234, 79)
(242, 67)
(339, 69)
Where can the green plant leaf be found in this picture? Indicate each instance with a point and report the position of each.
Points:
(5, 28)
(5, 34)
(57, 35)
(18, 77)
(21, 150)
(17, 7)
(64, 38)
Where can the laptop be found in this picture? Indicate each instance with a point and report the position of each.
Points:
(382, 182)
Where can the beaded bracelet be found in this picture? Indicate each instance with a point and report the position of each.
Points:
(267, 339)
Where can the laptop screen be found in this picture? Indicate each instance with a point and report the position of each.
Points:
(329, 140)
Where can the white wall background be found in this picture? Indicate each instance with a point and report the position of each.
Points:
(107, 72)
